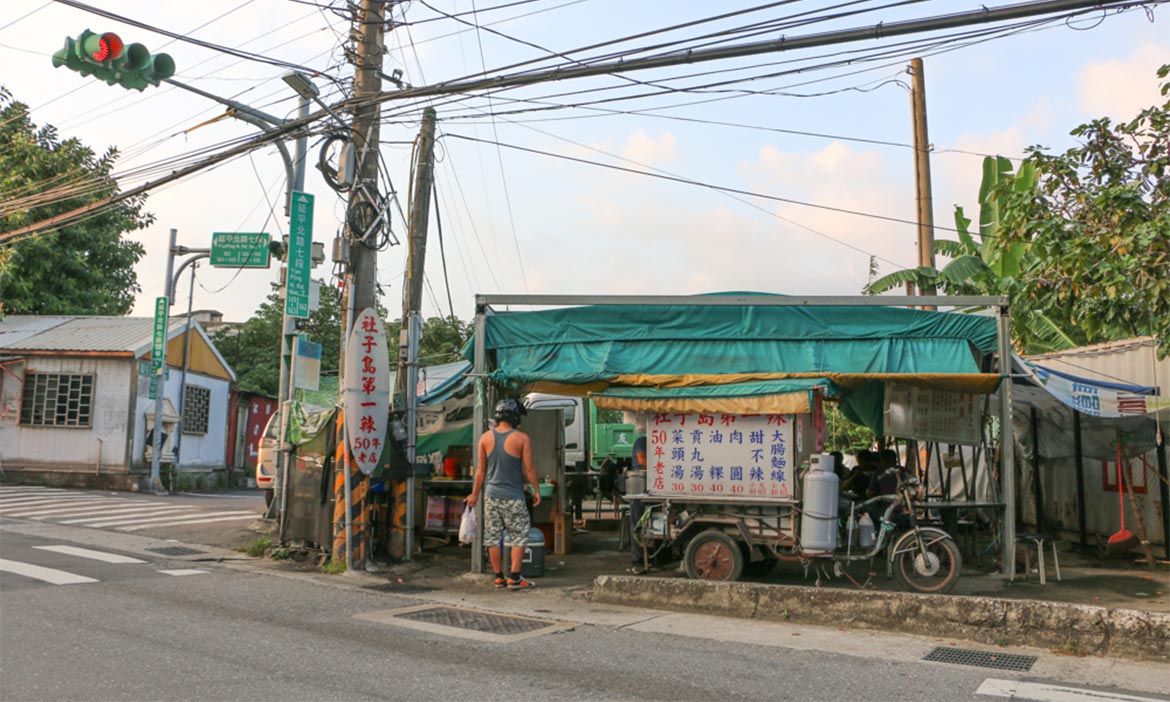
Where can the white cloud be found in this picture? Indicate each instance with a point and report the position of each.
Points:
(1120, 88)
(644, 148)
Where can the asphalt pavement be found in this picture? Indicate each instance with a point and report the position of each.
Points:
(170, 611)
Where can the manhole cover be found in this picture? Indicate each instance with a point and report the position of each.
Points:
(980, 659)
(466, 623)
(476, 621)
(175, 551)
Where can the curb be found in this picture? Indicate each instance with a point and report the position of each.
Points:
(1072, 628)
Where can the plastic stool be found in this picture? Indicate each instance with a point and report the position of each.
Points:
(1038, 540)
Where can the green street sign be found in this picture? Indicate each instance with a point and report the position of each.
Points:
(158, 344)
(300, 251)
(240, 250)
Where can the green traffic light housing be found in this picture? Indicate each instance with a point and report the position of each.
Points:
(107, 58)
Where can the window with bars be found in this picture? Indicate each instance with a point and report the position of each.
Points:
(196, 409)
(57, 400)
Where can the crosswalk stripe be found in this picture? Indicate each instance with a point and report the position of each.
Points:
(19, 489)
(9, 505)
(72, 508)
(184, 571)
(62, 499)
(206, 517)
(102, 556)
(1043, 692)
(124, 511)
(48, 575)
(127, 518)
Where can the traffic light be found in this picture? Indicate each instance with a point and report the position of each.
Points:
(106, 57)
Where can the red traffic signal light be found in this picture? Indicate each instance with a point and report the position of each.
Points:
(109, 47)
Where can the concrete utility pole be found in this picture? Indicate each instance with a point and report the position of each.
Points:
(922, 172)
(402, 535)
(361, 277)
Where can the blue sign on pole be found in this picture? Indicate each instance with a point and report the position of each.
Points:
(300, 251)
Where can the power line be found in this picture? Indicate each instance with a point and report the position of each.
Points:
(701, 184)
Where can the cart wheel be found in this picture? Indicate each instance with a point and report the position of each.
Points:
(713, 555)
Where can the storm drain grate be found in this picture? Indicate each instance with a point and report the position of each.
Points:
(980, 659)
(475, 621)
(175, 551)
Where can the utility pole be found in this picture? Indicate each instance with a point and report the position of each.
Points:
(351, 486)
(402, 534)
(922, 188)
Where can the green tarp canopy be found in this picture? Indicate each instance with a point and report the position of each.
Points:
(700, 352)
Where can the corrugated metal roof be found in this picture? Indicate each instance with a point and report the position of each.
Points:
(37, 333)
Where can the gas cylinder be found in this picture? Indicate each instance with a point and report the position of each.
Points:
(818, 521)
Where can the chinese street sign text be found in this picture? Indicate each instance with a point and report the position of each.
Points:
(731, 456)
(366, 400)
(300, 251)
(239, 250)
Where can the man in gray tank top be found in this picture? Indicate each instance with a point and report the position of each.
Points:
(505, 463)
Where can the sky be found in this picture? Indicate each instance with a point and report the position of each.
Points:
(516, 222)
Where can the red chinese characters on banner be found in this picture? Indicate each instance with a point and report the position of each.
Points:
(367, 394)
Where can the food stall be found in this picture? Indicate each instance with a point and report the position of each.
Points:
(742, 354)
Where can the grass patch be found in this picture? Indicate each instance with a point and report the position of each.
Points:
(332, 567)
(259, 547)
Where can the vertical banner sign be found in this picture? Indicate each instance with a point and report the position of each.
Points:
(366, 399)
(726, 456)
(300, 251)
(158, 343)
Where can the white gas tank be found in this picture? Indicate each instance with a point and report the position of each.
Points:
(818, 520)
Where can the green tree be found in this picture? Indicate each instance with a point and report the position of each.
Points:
(1098, 227)
(252, 349)
(83, 266)
(442, 339)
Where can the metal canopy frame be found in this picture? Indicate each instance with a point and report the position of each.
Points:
(484, 305)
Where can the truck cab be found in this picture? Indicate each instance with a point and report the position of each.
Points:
(588, 442)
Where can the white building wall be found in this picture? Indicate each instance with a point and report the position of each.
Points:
(196, 450)
(102, 445)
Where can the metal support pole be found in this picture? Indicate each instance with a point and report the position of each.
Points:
(478, 424)
(183, 378)
(1037, 489)
(160, 386)
(1164, 489)
(1078, 449)
(1007, 452)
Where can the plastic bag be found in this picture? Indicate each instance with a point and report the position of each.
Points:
(468, 527)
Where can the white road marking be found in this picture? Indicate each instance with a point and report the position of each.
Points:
(128, 521)
(23, 489)
(143, 515)
(128, 513)
(71, 508)
(48, 575)
(102, 556)
(1043, 692)
(12, 505)
(246, 515)
(185, 571)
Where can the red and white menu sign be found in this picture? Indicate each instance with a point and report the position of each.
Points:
(366, 399)
(732, 456)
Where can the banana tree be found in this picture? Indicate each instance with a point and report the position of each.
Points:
(985, 262)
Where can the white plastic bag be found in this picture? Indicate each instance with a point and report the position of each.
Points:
(468, 527)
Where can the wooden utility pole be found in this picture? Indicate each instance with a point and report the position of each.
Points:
(361, 277)
(402, 533)
(922, 172)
